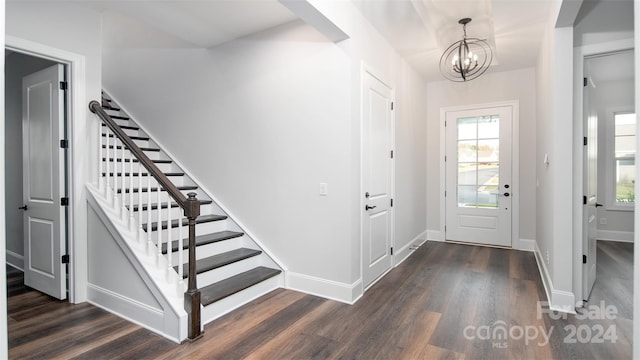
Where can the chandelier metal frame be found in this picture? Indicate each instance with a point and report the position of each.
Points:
(466, 59)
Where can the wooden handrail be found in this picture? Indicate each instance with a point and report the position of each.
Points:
(190, 205)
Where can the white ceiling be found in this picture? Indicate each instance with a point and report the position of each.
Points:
(418, 29)
(422, 29)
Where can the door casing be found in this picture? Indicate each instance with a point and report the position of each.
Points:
(79, 129)
(516, 243)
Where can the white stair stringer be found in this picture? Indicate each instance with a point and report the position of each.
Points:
(144, 244)
(162, 283)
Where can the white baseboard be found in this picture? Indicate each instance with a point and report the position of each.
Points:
(434, 235)
(16, 260)
(403, 253)
(346, 293)
(613, 235)
(527, 245)
(558, 300)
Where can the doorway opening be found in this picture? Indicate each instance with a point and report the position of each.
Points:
(609, 128)
(36, 170)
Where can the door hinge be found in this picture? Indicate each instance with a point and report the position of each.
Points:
(584, 200)
(445, 124)
(392, 154)
(584, 259)
(584, 141)
(445, 193)
(65, 259)
(392, 250)
(63, 85)
(584, 81)
(445, 159)
(392, 105)
(64, 144)
(64, 201)
(391, 202)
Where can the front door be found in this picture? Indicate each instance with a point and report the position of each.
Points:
(377, 178)
(478, 189)
(43, 177)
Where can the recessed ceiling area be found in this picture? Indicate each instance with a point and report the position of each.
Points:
(420, 30)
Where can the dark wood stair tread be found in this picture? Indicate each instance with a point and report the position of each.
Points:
(220, 260)
(154, 189)
(128, 127)
(156, 161)
(142, 138)
(109, 107)
(235, 284)
(141, 148)
(174, 223)
(145, 174)
(154, 206)
(203, 240)
(119, 117)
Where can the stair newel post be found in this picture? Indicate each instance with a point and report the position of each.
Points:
(192, 296)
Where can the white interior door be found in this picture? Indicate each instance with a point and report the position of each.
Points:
(478, 189)
(377, 178)
(590, 185)
(44, 217)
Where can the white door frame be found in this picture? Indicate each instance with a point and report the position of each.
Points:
(579, 55)
(515, 167)
(364, 69)
(77, 135)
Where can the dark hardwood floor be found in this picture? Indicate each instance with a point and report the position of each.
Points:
(446, 301)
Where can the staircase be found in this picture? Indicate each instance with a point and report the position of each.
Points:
(230, 267)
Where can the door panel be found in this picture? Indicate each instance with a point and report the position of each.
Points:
(590, 185)
(377, 217)
(478, 176)
(44, 219)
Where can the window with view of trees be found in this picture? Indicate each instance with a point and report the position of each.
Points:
(625, 157)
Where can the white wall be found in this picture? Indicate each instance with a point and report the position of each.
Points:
(555, 137)
(611, 96)
(16, 67)
(494, 87)
(70, 31)
(262, 120)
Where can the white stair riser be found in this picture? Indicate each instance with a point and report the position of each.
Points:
(176, 212)
(154, 194)
(211, 249)
(201, 229)
(225, 272)
(127, 166)
(224, 306)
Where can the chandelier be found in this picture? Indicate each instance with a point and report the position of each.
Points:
(465, 59)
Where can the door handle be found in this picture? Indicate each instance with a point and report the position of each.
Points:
(506, 194)
(367, 207)
(23, 208)
(598, 205)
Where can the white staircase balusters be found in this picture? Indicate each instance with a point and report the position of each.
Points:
(107, 187)
(159, 226)
(169, 247)
(149, 241)
(123, 193)
(100, 156)
(131, 218)
(116, 177)
(140, 207)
